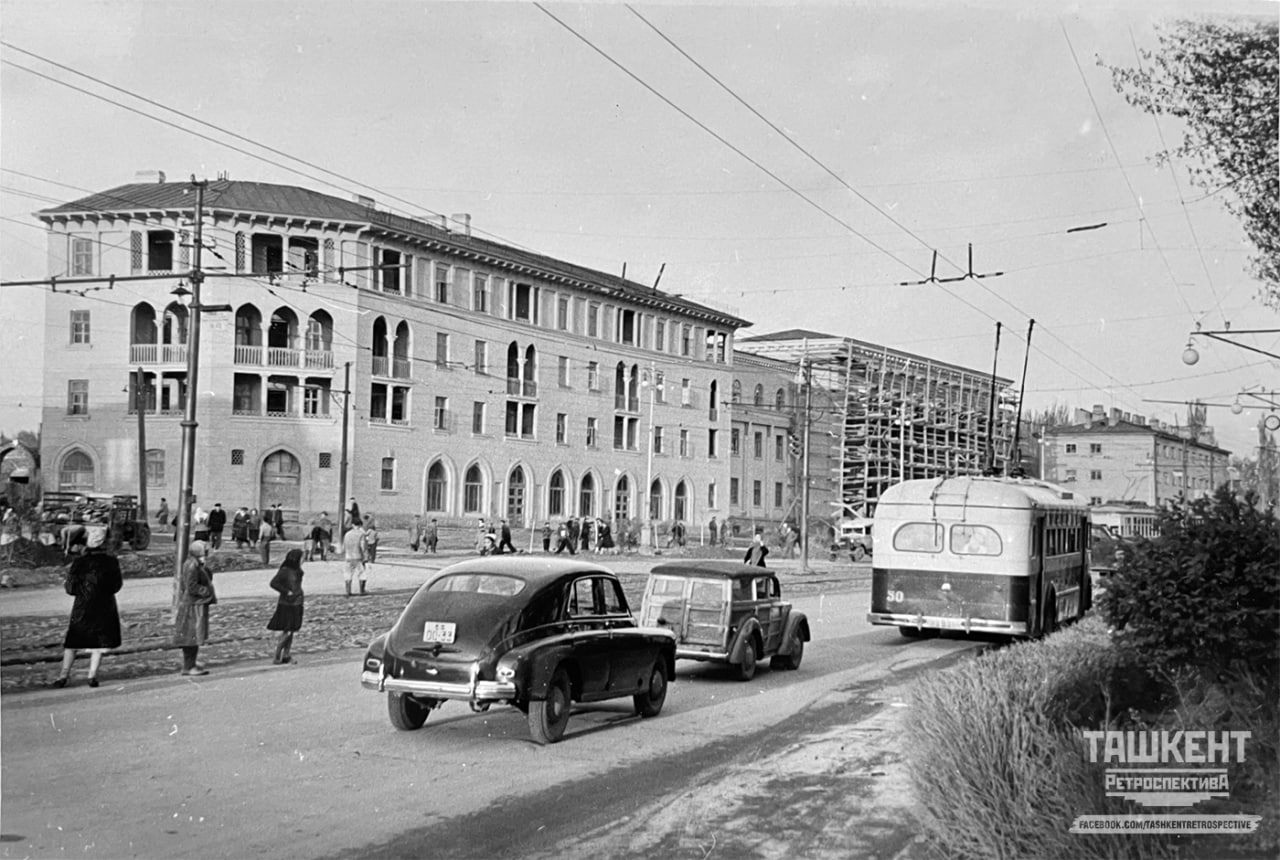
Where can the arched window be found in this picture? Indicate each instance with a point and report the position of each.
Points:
(622, 499)
(513, 364)
(682, 502)
(620, 387)
(437, 487)
(283, 331)
(633, 389)
(530, 369)
(555, 497)
(472, 490)
(143, 324)
(780, 399)
(736, 392)
(655, 500)
(320, 332)
(587, 496)
(174, 327)
(515, 497)
(76, 472)
(713, 403)
(758, 398)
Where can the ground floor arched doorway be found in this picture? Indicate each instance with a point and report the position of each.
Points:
(281, 484)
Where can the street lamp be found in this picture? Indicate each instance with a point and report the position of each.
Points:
(1190, 355)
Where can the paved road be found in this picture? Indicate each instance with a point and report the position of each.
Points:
(301, 762)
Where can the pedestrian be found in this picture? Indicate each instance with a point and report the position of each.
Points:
(240, 527)
(255, 526)
(288, 615)
(162, 512)
(93, 580)
(573, 534)
(605, 542)
(724, 533)
(756, 552)
(415, 533)
(277, 520)
(217, 522)
(370, 541)
(431, 536)
(308, 538)
(546, 536)
(194, 595)
(353, 514)
(506, 539)
(353, 550)
(75, 537)
(323, 535)
(10, 531)
(711, 531)
(789, 538)
(200, 525)
(482, 533)
(584, 535)
(563, 540)
(266, 533)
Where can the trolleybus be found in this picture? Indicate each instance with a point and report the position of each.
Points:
(979, 554)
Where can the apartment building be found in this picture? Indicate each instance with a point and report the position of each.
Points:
(479, 379)
(1119, 457)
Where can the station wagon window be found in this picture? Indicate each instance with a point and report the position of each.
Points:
(479, 583)
(975, 540)
(918, 537)
(765, 588)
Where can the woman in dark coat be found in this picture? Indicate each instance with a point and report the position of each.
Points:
(193, 595)
(288, 615)
(94, 579)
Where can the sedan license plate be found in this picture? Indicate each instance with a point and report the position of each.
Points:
(439, 631)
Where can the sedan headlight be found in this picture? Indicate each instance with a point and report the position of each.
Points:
(372, 664)
(506, 673)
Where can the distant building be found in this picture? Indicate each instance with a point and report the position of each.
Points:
(1113, 456)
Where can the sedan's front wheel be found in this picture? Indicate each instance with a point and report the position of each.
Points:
(649, 703)
(408, 713)
(548, 718)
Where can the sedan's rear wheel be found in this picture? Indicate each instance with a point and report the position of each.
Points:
(408, 713)
(548, 718)
(747, 668)
(649, 703)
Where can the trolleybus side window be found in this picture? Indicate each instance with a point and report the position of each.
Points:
(975, 540)
(918, 537)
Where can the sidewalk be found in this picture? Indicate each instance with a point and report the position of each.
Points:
(396, 569)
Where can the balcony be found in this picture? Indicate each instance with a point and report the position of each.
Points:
(626, 404)
(157, 353)
(278, 356)
(400, 368)
(247, 355)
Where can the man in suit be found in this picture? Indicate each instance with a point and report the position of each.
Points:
(217, 522)
(277, 521)
(506, 539)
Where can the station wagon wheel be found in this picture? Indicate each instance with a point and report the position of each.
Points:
(649, 703)
(408, 713)
(141, 537)
(747, 668)
(859, 553)
(548, 718)
(791, 660)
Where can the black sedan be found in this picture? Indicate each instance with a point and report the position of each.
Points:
(537, 634)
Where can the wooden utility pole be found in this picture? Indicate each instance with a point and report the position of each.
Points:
(187, 495)
(140, 403)
(342, 462)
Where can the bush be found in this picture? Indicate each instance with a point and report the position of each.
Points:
(1205, 594)
(995, 757)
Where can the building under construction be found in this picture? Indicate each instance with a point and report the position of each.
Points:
(897, 416)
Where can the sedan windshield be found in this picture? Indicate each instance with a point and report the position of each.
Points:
(479, 583)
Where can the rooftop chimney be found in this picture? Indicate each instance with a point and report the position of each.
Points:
(1083, 416)
(150, 175)
(362, 200)
(462, 222)
(1114, 418)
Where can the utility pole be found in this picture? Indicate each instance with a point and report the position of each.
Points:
(342, 462)
(989, 467)
(140, 403)
(647, 540)
(806, 370)
(187, 496)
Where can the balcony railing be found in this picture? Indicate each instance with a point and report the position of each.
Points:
(522, 387)
(278, 356)
(319, 359)
(626, 404)
(248, 354)
(381, 365)
(157, 353)
(400, 368)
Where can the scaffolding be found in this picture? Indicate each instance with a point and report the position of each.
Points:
(904, 416)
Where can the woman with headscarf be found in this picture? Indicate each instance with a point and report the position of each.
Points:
(191, 608)
(288, 616)
(94, 579)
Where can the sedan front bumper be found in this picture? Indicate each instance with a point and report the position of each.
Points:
(475, 691)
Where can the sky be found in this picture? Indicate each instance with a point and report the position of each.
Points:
(794, 164)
